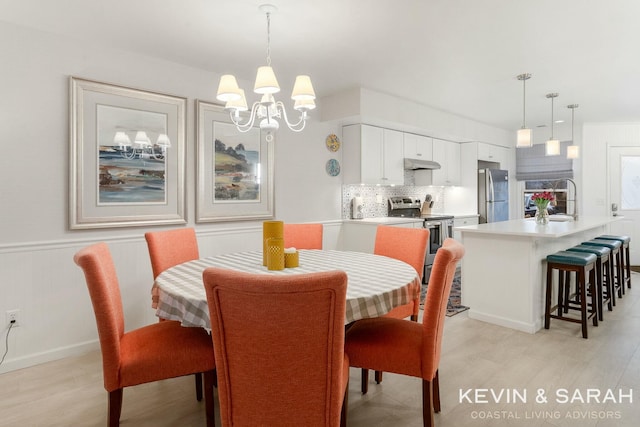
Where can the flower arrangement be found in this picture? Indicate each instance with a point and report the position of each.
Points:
(542, 199)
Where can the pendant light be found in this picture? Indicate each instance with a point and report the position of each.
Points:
(573, 151)
(552, 146)
(525, 138)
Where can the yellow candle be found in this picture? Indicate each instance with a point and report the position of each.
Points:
(270, 229)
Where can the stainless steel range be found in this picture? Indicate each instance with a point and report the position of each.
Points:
(440, 226)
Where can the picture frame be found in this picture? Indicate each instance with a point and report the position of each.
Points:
(127, 156)
(235, 169)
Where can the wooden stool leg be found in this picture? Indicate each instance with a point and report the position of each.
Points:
(619, 274)
(599, 287)
(563, 292)
(594, 297)
(610, 281)
(547, 304)
(627, 264)
(583, 302)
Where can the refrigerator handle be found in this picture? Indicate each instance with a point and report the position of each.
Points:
(492, 196)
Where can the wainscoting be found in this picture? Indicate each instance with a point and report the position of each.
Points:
(56, 319)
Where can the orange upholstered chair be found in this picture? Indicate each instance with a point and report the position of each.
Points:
(408, 245)
(279, 347)
(169, 248)
(150, 353)
(410, 348)
(303, 236)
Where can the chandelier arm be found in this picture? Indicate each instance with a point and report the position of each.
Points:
(158, 156)
(245, 127)
(126, 155)
(296, 127)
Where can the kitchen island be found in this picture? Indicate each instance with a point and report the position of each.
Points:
(504, 268)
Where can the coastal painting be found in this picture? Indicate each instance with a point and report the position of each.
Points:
(235, 168)
(131, 167)
(236, 165)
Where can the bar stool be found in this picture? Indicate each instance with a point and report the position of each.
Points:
(616, 262)
(603, 275)
(624, 257)
(583, 264)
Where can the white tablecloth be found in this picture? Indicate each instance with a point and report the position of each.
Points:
(376, 284)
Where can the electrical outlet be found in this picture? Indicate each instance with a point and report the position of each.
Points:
(13, 316)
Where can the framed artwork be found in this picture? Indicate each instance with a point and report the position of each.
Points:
(127, 156)
(235, 169)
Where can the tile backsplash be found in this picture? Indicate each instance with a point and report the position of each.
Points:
(375, 197)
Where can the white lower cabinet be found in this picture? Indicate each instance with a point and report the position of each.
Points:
(360, 236)
(461, 222)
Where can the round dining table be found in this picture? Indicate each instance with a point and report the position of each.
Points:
(375, 283)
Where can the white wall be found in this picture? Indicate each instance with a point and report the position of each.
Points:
(37, 274)
(596, 138)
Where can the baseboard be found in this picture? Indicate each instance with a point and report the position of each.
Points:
(507, 323)
(49, 356)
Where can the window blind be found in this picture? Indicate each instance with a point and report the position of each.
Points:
(532, 164)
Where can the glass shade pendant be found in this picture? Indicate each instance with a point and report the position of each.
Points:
(552, 146)
(525, 135)
(573, 151)
(525, 138)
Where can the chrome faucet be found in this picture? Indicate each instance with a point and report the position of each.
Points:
(575, 199)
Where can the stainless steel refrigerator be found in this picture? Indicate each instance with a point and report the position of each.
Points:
(493, 195)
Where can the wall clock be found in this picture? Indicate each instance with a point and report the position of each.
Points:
(333, 143)
(333, 167)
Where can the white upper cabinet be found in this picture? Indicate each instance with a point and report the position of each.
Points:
(418, 146)
(494, 153)
(448, 155)
(373, 155)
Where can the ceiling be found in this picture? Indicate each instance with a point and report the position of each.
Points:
(460, 56)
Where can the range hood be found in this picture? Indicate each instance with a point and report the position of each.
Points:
(416, 164)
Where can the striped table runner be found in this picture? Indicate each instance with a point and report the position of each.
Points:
(376, 284)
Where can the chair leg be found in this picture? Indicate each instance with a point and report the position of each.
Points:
(436, 393)
(427, 404)
(209, 379)
(345, 405)
(364, 387)
(198, 378)
(378, 377)
(115, 407)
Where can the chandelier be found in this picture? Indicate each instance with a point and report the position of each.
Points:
(142, 147)
(267, 111)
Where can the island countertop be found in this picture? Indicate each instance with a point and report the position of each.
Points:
(504, 268)
(528, 227)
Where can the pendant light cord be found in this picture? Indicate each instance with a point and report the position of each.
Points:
(552, 116)
(524, 103)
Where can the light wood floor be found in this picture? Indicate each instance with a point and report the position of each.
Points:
(475, 356)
